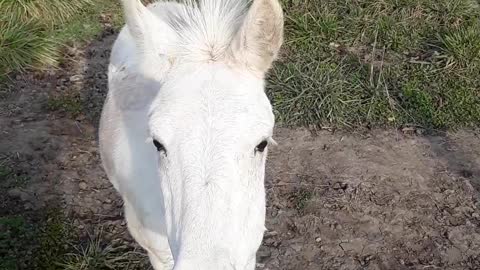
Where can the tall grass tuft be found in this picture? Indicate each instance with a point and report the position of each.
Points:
(46, 12)
(97, 254)
(25, 31)
(25, 45)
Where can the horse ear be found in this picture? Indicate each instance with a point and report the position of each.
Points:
(260, 36)
(147, 30)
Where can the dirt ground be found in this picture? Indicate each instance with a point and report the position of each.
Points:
(376, 200)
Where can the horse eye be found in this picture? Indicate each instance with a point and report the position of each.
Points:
(159, 146)
(261, 147)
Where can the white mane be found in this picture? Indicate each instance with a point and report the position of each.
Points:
(206, 28)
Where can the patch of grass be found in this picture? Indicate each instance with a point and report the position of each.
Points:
(301, 198)
(10, 178)
(462, 46)
(5, 86)
(10, 227)
(53, 237)
(97, 254)
(47, 12)
(28, 242)
(70, 104)
(32, 33)
(4, 173)
(90, 23)
(28, 239)
(45, 239)
(25, 45)
(371, 63)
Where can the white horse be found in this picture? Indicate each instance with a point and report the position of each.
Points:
(186, 126)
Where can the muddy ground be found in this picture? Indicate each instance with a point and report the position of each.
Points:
(376, 200)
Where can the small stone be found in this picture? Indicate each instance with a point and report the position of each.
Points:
(269, 242)
(25, 196)
(28, 206)
(352, 246)
(270, 234)
(262, 254)
(309, 254)
(82, 185)
(466, 173)
(318, 239)
(340, 185)
(76, 78)
(334, 45)
(453, 255)
(80, 117)
(456, 220)
(107, 206)
(365, 261)
(19, 194)
(297, 247)
(14, 193)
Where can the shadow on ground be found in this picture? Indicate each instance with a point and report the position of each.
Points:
(58, 210)
(461, 159)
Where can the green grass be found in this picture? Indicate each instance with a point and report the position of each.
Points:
(301, 198)
(47, 240)
(25, 45)
(345, 64)
(87, 25)
(8, 177)
(372, 63)
(45, 12)
(33, 32)
(71, 104)
(38, 239)
(29, 239)
(98, 254)
(11, 227)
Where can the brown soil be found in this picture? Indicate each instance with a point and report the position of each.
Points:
(382, 200)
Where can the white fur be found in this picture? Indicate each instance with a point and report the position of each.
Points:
(175, 77)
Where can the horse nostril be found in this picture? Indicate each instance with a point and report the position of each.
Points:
(159, 146)
(261, 147)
